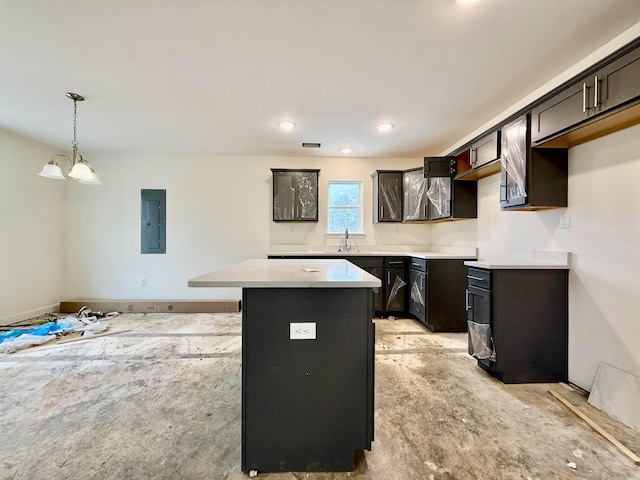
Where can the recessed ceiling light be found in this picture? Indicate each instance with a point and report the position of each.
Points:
(346, 150)
(384, 127)
(465, 2)
(286, 125)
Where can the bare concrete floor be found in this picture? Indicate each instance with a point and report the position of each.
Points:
(163, 401)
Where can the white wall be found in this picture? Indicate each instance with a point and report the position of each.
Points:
(604, 240)
(32, 230)
(218, 213)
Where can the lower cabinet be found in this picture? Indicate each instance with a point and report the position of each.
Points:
(391, 298)
(436, 294)
(518, 323)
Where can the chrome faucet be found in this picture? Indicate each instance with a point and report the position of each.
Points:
(346, 247)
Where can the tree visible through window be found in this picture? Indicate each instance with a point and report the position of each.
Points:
(345, 206)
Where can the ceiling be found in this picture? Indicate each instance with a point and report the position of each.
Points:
(215, 76)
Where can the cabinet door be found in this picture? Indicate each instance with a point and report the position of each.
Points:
(377, 294)
(395, 290)
(561, 111)
(440, 166)
(284, 196)
(617, 83)
(439, 197)
(480, 336)
(485, 150)
(415, 190)
(307, 196)
(390, 197)
(417, 294)
(514, 159)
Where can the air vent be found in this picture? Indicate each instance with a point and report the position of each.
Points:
(310, 145)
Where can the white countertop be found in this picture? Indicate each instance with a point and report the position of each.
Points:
(540, 259)
(302, 273)
(377, 253)
(516, 266)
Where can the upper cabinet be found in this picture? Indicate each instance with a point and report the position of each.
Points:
(387, 196)
(485, 150)
(415, 195)
(447, 198)
(611, 87)
(531, 178)
(295, 195)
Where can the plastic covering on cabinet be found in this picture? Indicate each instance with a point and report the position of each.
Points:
(415, 186)
(308, 193)
(480, 341)
(439, 194)
(284, 199)
(296, 196)
(391, 199)
(416, 293)
(514, 156)
(397, 285)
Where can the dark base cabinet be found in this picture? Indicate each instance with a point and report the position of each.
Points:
(437, 293)
(307, 405)
(518, 323)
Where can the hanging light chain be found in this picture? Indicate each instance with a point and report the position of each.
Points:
(75, 123)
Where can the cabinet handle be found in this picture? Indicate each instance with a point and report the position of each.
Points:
(466, 299)
(595, 92)
(584, 97)
(381, 211)
(475, 278)
(425, 211)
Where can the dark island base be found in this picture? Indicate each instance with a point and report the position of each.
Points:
(307, 405)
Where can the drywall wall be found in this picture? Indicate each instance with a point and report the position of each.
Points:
(604, 212)
(218, 212)
(32, 230)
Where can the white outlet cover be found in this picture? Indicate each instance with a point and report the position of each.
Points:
(302, 331)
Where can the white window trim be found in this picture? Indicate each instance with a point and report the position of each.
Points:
(359, 233)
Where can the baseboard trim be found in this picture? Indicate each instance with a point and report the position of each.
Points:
(28, 314)
(152, 306)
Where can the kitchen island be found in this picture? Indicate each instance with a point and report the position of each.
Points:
(307, 362)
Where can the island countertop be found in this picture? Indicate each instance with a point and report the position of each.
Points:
(298, 273)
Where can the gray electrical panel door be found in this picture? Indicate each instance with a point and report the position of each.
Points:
(153, 221)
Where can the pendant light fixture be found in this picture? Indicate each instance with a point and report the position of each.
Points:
(79, 168)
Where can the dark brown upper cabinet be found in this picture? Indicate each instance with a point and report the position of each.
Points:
(447, 198)
(295, 195)
(531, 178)
(387, 196)
(606, 90)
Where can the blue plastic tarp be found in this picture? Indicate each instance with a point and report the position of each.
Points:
(44, 329)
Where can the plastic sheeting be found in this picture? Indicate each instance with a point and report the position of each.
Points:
(514, 156)
(284, 207)
(391, 199)
(481, 341)
(398, 283)
(416, 293)
(296, 196)
(439, 194)
(307, 194)
(415, 186)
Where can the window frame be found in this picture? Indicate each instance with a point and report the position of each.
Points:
(360, 207)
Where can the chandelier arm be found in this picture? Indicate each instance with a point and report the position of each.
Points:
(64, 156)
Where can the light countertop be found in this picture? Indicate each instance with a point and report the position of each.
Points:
(517, 266)
(298, 273)
(540, 259)
(377, 253)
